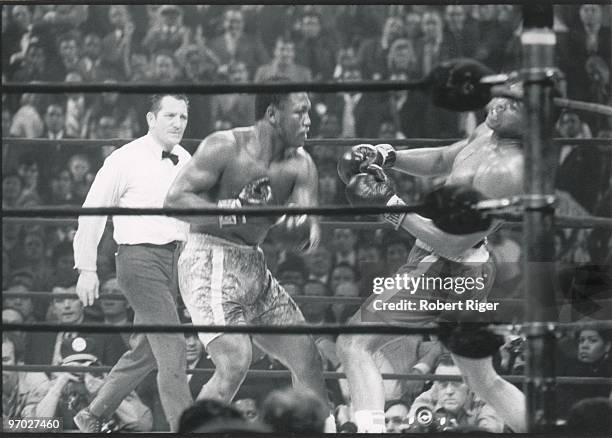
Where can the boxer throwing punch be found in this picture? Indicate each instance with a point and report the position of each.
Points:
(489, 161)
(222, 272)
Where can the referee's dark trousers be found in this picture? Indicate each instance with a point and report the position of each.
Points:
(147, 275)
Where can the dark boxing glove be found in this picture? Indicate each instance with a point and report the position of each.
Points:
(455, 85)
(361, 156)
(256, 193)
(469, 339)
(452, 208)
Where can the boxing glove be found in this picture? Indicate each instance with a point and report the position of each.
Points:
(362, 155)
(369, 188)
(452, 209)
(469, 339)
(255, 193)
(293, 232)
(455, 85)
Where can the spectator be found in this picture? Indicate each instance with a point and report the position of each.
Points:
(373, 52)
(591, 416)
(234, 45)
(17, 386)
(316, 313)
(11, 190)
(342, 272)
(70, 56)
(116, 311)
(23, 305)
(17, 34)
(119, 106)
(167, 33)
(206, 415)
(315, 47)
(395, 252)
(75, 110)
(198, 63)
(294, 410)
(104, 128)
(139, 70)
(402, 58)
(36, 65)
(395, 418)
(92, 57)
(45, 348)
(14, 316)
(330, 192)
(34, 259)
(294, 271)
(591, 358)
(589, 37)
(117, 45)
(61, 188)
(283, 64)
(54, 122)
(80, 166)
(344, 243)
(27, 121)
(460, 35)
(237, 109)
(492, 37)
(432, 28)
(63, 265)
(319, 264)
(65, 394)
(456, 402)
(165, 67)
(342, 312)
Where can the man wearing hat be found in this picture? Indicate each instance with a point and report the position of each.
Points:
(67, 393)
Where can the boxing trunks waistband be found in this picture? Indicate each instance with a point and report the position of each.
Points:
(170, 245)
(216, 240)
(476, 254)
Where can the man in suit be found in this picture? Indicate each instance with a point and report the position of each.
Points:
(45, 348)
(235, 45)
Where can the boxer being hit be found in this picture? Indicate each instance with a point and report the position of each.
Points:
(489, 161)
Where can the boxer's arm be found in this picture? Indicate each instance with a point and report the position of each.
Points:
(444, 244)
(191, 187)
(437, 161)
(305, 193)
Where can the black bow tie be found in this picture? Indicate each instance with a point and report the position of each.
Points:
(173, 157)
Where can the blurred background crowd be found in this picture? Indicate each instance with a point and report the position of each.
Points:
(237, 44)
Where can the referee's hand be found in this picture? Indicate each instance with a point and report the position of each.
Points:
(87, 287)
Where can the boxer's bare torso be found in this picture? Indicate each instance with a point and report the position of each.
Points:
(486, 162)
(225, 162)
(243, 166)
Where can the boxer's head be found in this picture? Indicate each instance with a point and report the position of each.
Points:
(505, 116)
(287, 114)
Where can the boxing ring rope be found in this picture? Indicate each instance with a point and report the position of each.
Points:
(296, 329)
(513, 221)
(328, 375)
(328, 142)
(317, 299)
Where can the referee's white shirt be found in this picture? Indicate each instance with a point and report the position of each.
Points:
(136, 176)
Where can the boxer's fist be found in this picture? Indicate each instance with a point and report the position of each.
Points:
(455, 85)
(369, 188)
(469, 339)
(452, 208)
(255, 193)
(361, 156)
(293, 232)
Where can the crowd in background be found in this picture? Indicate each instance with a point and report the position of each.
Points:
(237, 44)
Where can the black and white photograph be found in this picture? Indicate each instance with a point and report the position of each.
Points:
(307, 219)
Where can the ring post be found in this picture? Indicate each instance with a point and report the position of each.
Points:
(538, 46)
